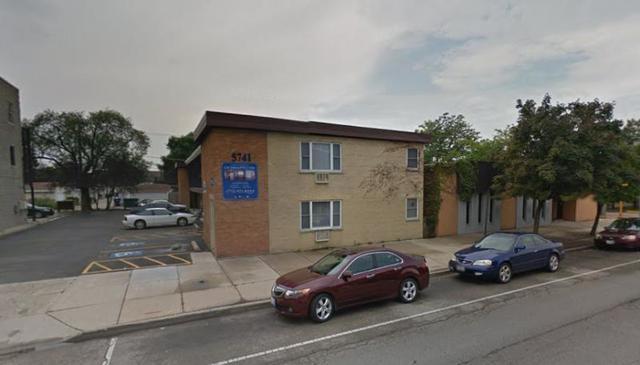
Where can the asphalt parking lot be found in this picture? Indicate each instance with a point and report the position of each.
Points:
(67, 246)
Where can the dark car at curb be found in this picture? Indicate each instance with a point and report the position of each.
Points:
(39, 212)
(499, 255)
(347, 277)
(621, 233)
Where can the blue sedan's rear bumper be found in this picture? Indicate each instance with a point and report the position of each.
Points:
(489, 272)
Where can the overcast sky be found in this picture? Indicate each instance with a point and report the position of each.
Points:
(389, 64)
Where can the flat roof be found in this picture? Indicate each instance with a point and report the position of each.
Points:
(213, 119)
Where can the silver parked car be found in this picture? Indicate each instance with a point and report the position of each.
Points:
(155, 217)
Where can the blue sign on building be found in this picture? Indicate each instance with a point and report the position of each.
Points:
(239, 181)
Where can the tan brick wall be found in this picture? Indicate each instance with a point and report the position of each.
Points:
(365, 217)
(183, 186)
(582, 209)
(508, 213)
(241, 227)
(448, 214)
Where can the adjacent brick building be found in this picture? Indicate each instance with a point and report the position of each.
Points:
(275, 185)
(12, 207)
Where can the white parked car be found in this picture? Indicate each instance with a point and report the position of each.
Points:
(155, 217)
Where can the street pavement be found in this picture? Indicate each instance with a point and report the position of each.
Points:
(588, 312)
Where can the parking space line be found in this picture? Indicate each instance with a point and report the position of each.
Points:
(154, 260)
(102, 266)
(179, 258)
(417, 315)
(86, 269)
(130, 264)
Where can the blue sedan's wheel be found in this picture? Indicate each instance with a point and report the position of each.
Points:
(554, 263)
(504, 273)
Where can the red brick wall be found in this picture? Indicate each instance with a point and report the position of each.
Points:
(183, 186)
(241, 227)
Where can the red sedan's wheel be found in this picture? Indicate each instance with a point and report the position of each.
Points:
(408, 290)
(321, 308)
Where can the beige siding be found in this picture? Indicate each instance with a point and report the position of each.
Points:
(11, 194)
(375, 216)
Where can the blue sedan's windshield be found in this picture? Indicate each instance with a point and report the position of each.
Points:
(497, 241)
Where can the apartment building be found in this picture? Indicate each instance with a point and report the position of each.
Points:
(12, 207)
(271, 185)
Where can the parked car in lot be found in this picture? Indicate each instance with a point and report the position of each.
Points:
(161, 204)
(39, 212)
(499, 255)
(347, 277)
(155, 217)
(622, 233)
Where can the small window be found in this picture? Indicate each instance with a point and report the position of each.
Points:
(315, 156)
(387, 259)
(524, 208)
(543, 210)
(412, 158)
(412, 208)
(361, 264)
(12, 155)
(10, 112)
(320, 214)
(479, 208)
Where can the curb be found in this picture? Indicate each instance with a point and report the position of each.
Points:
(169, 321)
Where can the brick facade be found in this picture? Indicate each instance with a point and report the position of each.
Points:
(241, 227)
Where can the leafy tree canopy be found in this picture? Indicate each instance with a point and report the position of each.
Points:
(79, 146)
(452, 138)
(180, 147)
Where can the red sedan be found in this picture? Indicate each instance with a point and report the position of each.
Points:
(623, 233)
(348, 277)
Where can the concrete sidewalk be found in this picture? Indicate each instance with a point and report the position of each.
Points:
(57, 309)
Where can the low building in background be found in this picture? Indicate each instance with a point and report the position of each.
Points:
(151, 191)
(458, 216)
(12, 205)
(271, 185)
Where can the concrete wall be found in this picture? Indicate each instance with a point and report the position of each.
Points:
(366, 217)
(479, 213)
(12, 212)
(527, 219)
(241, 227)
(448, 213)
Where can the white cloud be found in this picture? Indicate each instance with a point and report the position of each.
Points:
(164, 63)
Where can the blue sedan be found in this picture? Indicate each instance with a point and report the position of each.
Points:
(499, 255)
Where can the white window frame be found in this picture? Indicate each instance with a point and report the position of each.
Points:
(406, 209)
(311, 227)
(417, 159)
(311, 169)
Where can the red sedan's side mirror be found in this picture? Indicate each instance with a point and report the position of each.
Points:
(347, 275)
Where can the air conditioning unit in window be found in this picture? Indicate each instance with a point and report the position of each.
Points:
(322, 178)
(322, 236)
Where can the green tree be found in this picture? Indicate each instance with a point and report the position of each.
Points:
(121, 173)
(180, 147)
(78, 145)
(544, 157)
(452, 138)
(614, 153)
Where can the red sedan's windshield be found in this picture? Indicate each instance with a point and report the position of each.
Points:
(330, 264)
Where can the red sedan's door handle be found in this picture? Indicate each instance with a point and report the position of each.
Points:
(370, 276)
